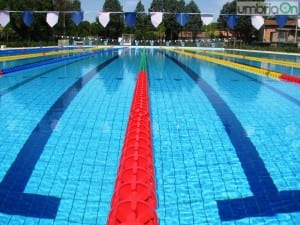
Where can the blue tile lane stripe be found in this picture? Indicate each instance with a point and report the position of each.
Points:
(13, 200)
(266, 199)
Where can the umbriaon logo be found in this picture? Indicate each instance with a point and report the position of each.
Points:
(289, 7)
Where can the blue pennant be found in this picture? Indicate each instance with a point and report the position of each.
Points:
(130, 18)
(232, 21)
(182, 18)
(77, 17)
(281, 20)
(27, 17)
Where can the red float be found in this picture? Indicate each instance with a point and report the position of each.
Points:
(134, 199)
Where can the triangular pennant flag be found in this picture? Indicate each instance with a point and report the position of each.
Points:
(77, 17)
(4, 18)
(27, 17)
(156, 18)
(207, 18)
(104, 18)
(52, 18)
(182, 18)
(130, 18)
(232, 21)
(298, 21)
(257, 21)
(281, 20)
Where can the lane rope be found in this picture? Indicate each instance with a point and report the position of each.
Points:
(252, 58)
(56, 52)
(134, 198)
(234, 65)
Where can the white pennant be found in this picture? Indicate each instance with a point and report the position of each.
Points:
(52, 18)
(207, 18)
(257, 21)
(298, 21)
(156, 18)
(104, 18)
(4, 18)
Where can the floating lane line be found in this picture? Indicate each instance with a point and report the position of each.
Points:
(134, 199)
(234, 65)
(252, 58)
(58, 52)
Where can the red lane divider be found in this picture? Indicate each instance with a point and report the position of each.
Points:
(290, 78)
(134, 199)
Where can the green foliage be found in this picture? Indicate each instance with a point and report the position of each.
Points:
(142, 22)
(288, 49)
(39, 30)
(172, 28)
(243, 30)
(195, 23)
(169, 29)
(116, 24)
(211, 29)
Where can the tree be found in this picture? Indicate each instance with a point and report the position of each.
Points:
(244, 29)
(65, 25)
(210, 29)
(172, 28)
(142, 23)
(116, 24)
(195, 23)
(39, 29)
(39, 23)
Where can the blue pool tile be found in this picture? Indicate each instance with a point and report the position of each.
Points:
(4, 219)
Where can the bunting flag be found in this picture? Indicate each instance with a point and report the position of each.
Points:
(207, 18)
(52, 18)
(104, 18)
(257, 21)
(4, 18)
(130, 18)
(27, 17)
(156, 18)
(232, 21)
(281, 20)
(182, 18)
(77, 17)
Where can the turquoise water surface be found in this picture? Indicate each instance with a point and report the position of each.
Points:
(225, 142)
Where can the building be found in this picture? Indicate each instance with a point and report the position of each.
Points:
(272, 33)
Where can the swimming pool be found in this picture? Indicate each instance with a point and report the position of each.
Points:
(225, 142)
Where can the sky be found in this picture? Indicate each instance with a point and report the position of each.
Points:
(91, 7)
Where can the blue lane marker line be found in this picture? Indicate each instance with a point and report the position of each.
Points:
(266, 199)
(13, 200)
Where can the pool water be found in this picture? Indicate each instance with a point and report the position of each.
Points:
(225, 142)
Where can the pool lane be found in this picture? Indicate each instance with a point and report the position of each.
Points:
(266, 199)
(249, 58)
(13, 200)
(242, 67)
